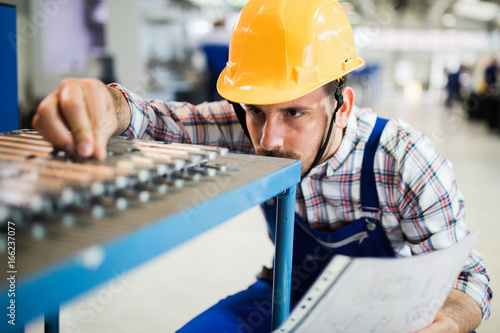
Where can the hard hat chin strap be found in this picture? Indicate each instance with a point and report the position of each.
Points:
(241, 114)
(340, 100)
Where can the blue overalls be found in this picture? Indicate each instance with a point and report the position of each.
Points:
(249, 311)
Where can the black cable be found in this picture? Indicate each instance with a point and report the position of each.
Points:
(340, 100)
(241, 114)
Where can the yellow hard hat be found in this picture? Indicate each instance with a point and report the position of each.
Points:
(281, 50)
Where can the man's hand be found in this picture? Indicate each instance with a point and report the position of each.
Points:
(81, 116)
(459, 314)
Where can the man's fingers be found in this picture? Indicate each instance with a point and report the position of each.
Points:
(73, 108)
(102, 117)
(49, 123)
(79, 117)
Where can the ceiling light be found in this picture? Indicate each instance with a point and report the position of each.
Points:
(480, 10)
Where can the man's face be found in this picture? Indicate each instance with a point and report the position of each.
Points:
(291, 129)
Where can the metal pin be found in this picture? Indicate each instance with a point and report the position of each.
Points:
(219, 167)
(162, 189)
(222, 151)
(38, 231)
(204, 171)
(143, 176)
(29, 200)
(98, 211)
(26, 153)
(176, 182)
(121, 203)
(196, 177)
(173, 153)
(144, 196)
(28, 146)
(22, 139)
(97, 189)
(68, 220)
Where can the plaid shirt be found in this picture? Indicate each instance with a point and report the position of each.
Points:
(421, 208)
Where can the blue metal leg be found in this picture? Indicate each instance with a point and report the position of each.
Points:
(52, 322)
(283, 258)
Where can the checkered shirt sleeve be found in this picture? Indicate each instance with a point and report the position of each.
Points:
(212, 124)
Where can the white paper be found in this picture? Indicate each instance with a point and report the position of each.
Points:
(379, 295)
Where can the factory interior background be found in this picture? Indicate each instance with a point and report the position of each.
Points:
(427, 62)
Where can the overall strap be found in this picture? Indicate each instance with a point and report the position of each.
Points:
(369, 197)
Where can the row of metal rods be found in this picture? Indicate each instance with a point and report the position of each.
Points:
(39, 182)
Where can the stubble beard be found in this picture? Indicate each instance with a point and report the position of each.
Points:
(284, 154)
(293, 155)
(278, 153)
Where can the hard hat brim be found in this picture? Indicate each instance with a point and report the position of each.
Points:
(266, 94)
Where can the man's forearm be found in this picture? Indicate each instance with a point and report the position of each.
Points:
(122, 110)
(463, 310)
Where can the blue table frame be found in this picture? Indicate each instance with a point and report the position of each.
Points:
(44, 290)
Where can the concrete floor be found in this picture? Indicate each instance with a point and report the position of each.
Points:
(163, 294)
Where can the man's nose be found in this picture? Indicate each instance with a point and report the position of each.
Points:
(272, 135)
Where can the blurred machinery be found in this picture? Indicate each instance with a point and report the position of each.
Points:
(39, 182)
(68, 224)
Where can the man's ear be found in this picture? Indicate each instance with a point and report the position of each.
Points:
(344, 112)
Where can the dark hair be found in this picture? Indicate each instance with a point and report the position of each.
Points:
(331, 88)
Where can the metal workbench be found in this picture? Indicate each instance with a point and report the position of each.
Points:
(68, 261)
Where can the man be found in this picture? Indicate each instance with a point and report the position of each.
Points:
(286, 66)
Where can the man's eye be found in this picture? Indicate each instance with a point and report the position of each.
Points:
(294, 113)
(254, 112)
